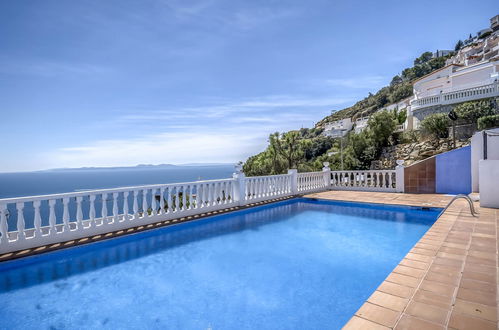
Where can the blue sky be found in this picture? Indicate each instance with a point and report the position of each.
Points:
(118, 82)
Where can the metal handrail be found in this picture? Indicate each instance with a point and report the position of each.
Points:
(470, 202)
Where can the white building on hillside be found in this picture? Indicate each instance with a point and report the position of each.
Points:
(338, 128)
(454, 84)
(455, 77)
(361, 124)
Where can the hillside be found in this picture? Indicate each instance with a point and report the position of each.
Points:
(400, 88)
(307, 148)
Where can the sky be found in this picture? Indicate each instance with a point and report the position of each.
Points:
(121, 83)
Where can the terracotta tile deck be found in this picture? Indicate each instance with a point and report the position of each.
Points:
(447, 281)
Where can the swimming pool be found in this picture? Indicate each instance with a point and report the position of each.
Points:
(296, 264)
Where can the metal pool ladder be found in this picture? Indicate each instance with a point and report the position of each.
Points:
(470, 202)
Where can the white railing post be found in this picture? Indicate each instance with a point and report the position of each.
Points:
(293, 180)
(327, 175)
(399, 176)
(239, 186)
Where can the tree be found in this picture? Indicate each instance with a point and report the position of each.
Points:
(436, 125)
(487, 122)
(471, 111)
(396, 80)
(289, 146)
(459, 45)
(425, 57)
(381, 126)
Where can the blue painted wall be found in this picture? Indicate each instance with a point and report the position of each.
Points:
(453, 172)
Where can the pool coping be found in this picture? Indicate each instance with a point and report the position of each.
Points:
(9, 256)
(448, 280)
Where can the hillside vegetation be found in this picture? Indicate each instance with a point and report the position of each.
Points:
(306, 149)
(400, 88)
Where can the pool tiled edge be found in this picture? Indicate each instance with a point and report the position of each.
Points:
(449, 278)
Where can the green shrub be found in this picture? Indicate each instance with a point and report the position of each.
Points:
(471, 111)
(488, 122)
(410, 136)
(436, 125)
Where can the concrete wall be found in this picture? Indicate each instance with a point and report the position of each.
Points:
(453, 171)
(489, 183)
(477, 154)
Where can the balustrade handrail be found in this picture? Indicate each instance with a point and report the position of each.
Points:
(448, 97)
(267, 176)
(362, 171)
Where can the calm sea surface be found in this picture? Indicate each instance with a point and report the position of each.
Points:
(52, 182)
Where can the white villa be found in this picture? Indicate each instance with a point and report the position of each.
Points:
(454, 84)
(338, 128)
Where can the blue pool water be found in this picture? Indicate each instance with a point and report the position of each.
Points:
(297, 264)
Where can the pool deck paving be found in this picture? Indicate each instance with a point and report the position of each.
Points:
(449, 278)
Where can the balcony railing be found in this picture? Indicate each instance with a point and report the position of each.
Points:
(29, 222)
(468, 94)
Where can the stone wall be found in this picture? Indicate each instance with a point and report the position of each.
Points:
(413, 152)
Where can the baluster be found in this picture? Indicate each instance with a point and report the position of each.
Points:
(162, 200)
(52, 216)
(214, 193)
(210, 194)
(91, 211)
(135, 204)
(220, 193)
(184, 198)
(198, 196)
(65, 214)
(154, 211)
(169, 206)
(223, 193)
(202, 195)
(37, 219)
(230, 192)
(115, 207)
(247, 189)
(190, 200)
(144, 203)
(104, 208)
(125, 206)
(4, 228)
(176, 199)
(20, 221)
(79, 213)
(389, 180)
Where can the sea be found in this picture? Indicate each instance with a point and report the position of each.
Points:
(71, 180)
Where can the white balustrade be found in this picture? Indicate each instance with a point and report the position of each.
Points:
(464, 95)
(28, 222)
(311, 182)
(260, 188)
(369, 180)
